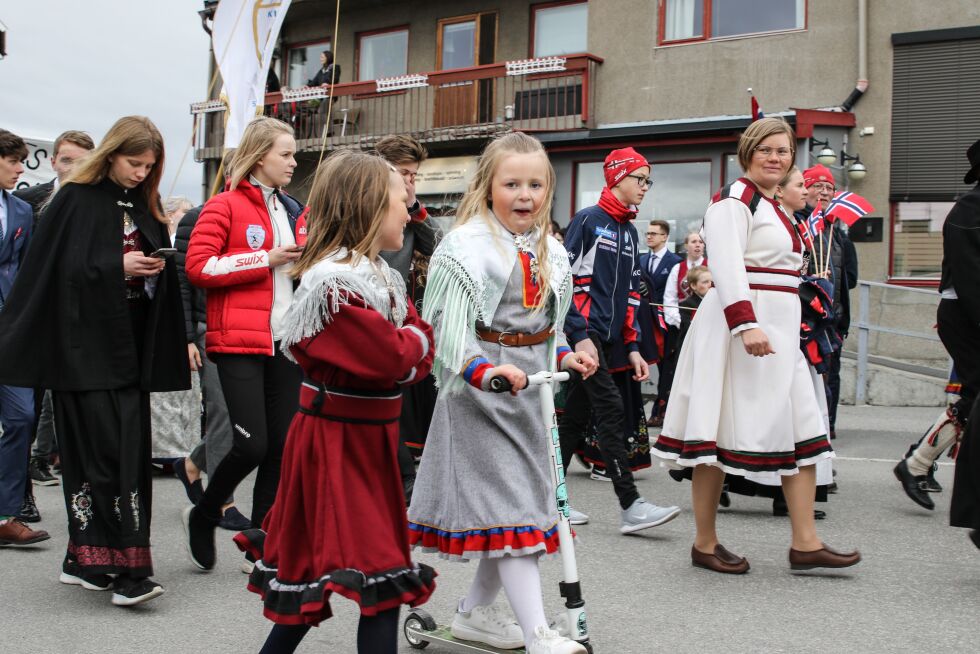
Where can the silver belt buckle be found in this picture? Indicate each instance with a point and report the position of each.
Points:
(500, 339)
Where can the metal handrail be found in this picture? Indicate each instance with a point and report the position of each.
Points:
(865, 327)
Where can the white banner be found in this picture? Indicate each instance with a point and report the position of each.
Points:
(37, 165)
(244, 35)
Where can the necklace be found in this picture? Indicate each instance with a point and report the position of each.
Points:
(523, 243)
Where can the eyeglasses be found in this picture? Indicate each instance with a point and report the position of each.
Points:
(407, 175)
(766, 151)
(656, 234)
(642, 181)
(822, 186)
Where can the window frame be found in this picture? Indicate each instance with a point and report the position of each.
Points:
(897, 280)
(384, 30)
(299, 45)
(534, 8)
(706, 36)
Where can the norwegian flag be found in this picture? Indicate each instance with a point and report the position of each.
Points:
(756, 111)
(848, 208)
(812, 226)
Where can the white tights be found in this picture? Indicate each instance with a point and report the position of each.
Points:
(521, 580)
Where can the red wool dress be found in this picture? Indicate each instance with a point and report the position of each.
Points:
(338, 524)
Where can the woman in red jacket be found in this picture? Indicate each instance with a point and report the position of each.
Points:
(241, 251)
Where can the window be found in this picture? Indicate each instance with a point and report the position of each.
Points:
(693, 20)
(559, 28)
(680, 194)
(917, 239)
(303, 60)
(382, 53)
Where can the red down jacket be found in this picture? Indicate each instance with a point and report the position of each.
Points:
(228, 255)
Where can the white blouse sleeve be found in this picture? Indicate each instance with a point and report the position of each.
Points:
(726, 232)
(672, 315)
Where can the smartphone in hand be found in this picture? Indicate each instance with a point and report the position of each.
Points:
(163, 252)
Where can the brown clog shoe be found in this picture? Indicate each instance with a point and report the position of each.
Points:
(825, 557)
(720, 561)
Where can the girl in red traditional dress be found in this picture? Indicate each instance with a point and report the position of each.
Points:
(338, 523)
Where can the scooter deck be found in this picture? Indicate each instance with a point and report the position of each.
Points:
(442, 635)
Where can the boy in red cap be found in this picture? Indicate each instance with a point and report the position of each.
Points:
(602, 248)
(842, 268)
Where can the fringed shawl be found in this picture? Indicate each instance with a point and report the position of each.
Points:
(330, 284)
(467, 277)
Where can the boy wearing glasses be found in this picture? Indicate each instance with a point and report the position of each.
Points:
(602, 246)
(655, 268)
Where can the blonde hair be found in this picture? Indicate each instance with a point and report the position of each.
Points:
(789, 174)
(175, 203)
(758, 132)
(348, 204)
(476, 201)
(129, 136)
(696, 274)
(257, 140)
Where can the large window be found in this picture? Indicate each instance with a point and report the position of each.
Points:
(559, 28)
(680, 194)
(382, 53)
(303, 60)
(917, 245)
(696, 20)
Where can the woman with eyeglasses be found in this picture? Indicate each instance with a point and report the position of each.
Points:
(746, 405)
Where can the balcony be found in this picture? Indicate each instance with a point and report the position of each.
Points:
(550, 94)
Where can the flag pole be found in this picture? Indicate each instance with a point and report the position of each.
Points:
(830, 244)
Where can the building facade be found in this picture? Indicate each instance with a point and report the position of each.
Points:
(669, 77)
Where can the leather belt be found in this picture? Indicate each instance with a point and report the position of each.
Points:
(514, 339)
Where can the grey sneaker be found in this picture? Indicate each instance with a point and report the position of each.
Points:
(643, 515)
(488, 624)
(577, 517)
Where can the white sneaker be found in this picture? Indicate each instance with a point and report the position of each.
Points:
(599, 474)
(547, 641)
(643, 515)
(488, 624)
(247, 567)
(577, 517)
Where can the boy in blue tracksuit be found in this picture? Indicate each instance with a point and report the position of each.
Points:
(603, 250)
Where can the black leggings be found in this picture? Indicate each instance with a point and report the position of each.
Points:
(375, 635)
(262, 394)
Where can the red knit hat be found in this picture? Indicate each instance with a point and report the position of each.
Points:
(621, 163)
(818, 173)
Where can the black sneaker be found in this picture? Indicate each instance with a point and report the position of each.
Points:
(72, 575)
(199, 537)
(28, 510)
(129, 592)
(233, 520)
(40, 472)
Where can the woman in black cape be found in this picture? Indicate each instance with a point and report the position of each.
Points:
(99, 321)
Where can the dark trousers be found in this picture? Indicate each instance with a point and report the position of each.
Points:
(832, 387)
(45, 437)
(961, 338)
(262, 394)
(216, 444)
(665, 371)
(17, 421)
(600, 394)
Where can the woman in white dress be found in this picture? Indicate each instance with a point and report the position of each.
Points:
(748, 404)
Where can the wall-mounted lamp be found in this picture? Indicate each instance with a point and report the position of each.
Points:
(826, 156)
(857, 171)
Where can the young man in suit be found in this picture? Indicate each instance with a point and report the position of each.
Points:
(69, 148)
(655, 267)
(16, 403)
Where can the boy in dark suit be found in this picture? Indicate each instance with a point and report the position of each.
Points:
(16, 404)
(655, 267)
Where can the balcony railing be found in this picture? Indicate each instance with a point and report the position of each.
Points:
(550, 94)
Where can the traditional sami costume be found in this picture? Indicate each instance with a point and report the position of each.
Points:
(338, 522)
(484, 486)
(730, 409)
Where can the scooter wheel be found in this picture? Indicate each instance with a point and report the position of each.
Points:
(417, 620)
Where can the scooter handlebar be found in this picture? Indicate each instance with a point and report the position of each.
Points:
(502, 385)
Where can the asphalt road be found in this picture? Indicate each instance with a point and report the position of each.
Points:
(918, 588)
